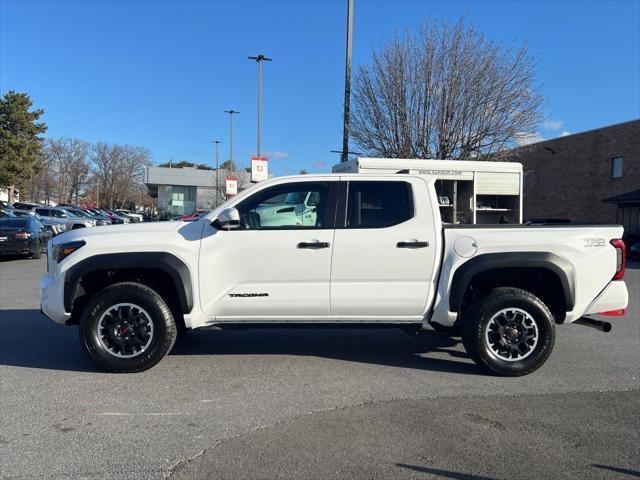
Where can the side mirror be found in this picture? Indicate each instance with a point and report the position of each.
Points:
(227, 219)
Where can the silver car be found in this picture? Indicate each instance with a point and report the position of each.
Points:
(61, 216)
(55, 226)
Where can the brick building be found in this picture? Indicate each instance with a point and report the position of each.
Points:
(570, 177)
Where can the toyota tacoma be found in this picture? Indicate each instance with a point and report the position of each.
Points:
(368, 251)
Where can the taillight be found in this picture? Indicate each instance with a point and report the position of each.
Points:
(621, 258)
(23, 235)
(614, 313)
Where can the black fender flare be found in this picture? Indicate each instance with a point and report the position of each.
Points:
(491, 261)
(168, 263)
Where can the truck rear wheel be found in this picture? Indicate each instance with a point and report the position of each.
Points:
(127, 327)
(510, 332)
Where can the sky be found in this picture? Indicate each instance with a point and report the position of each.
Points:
(160, 73)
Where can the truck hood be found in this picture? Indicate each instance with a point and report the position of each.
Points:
(134, 233)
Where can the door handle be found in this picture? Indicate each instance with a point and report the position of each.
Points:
(412, 244)
(313, 245)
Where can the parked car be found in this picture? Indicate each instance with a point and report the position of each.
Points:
(113, 214)
(23, 236)
(377, 255)
(55, 214)
(25, 205)
(6, 212)
(134, 217)
(113, 218)
(101, 219)
(81, 214)
(55, 226)
(193, 215)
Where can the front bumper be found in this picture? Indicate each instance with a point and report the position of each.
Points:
(51, 298)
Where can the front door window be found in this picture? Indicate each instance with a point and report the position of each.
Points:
(291, 206)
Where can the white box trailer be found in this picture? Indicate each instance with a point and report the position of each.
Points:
(468, 191)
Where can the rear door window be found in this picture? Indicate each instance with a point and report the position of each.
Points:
(374, 204)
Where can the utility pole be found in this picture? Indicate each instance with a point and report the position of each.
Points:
(347, 84)
(217, 142)
(231, 114)
(259, 59)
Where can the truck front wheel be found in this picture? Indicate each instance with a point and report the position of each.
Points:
(127, 327)
(510, 331)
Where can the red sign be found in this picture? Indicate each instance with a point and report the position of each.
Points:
(231, 186)
(259, 169)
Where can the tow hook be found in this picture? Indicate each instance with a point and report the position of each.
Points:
(593, 323)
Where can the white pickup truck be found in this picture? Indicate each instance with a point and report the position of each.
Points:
(376, 255)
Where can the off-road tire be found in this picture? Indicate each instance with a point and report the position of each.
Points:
(477, 316)
(164, 327)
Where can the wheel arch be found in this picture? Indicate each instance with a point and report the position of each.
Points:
(162, 270)
(544, 272)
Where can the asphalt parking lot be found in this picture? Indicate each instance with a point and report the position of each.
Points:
(312, 404)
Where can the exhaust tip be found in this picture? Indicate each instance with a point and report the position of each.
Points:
(593, 323)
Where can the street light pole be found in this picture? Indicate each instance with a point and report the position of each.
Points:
(347, 84)
(217, 142)
(259, 59)
(231, 113)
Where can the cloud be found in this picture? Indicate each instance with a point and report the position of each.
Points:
(319, 164)
(526, 138)
(564, 133)
(276, 155)
(553, 124)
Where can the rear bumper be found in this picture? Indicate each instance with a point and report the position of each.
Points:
(614, 297)
(51, 298)
(8, 248)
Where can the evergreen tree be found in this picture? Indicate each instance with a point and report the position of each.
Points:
(20, 145)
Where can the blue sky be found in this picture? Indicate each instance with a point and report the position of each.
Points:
(159, 74)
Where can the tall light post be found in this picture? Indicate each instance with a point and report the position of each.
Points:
(231, 114)
(259, 59)
(347, 84)
(217, 142)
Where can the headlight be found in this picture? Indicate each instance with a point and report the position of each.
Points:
(63, 250)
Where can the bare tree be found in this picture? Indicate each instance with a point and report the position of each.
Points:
(118, 171)
(105, 159)
(66, 167)
(445, 92)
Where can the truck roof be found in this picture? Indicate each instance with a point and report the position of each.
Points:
(430, 164)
